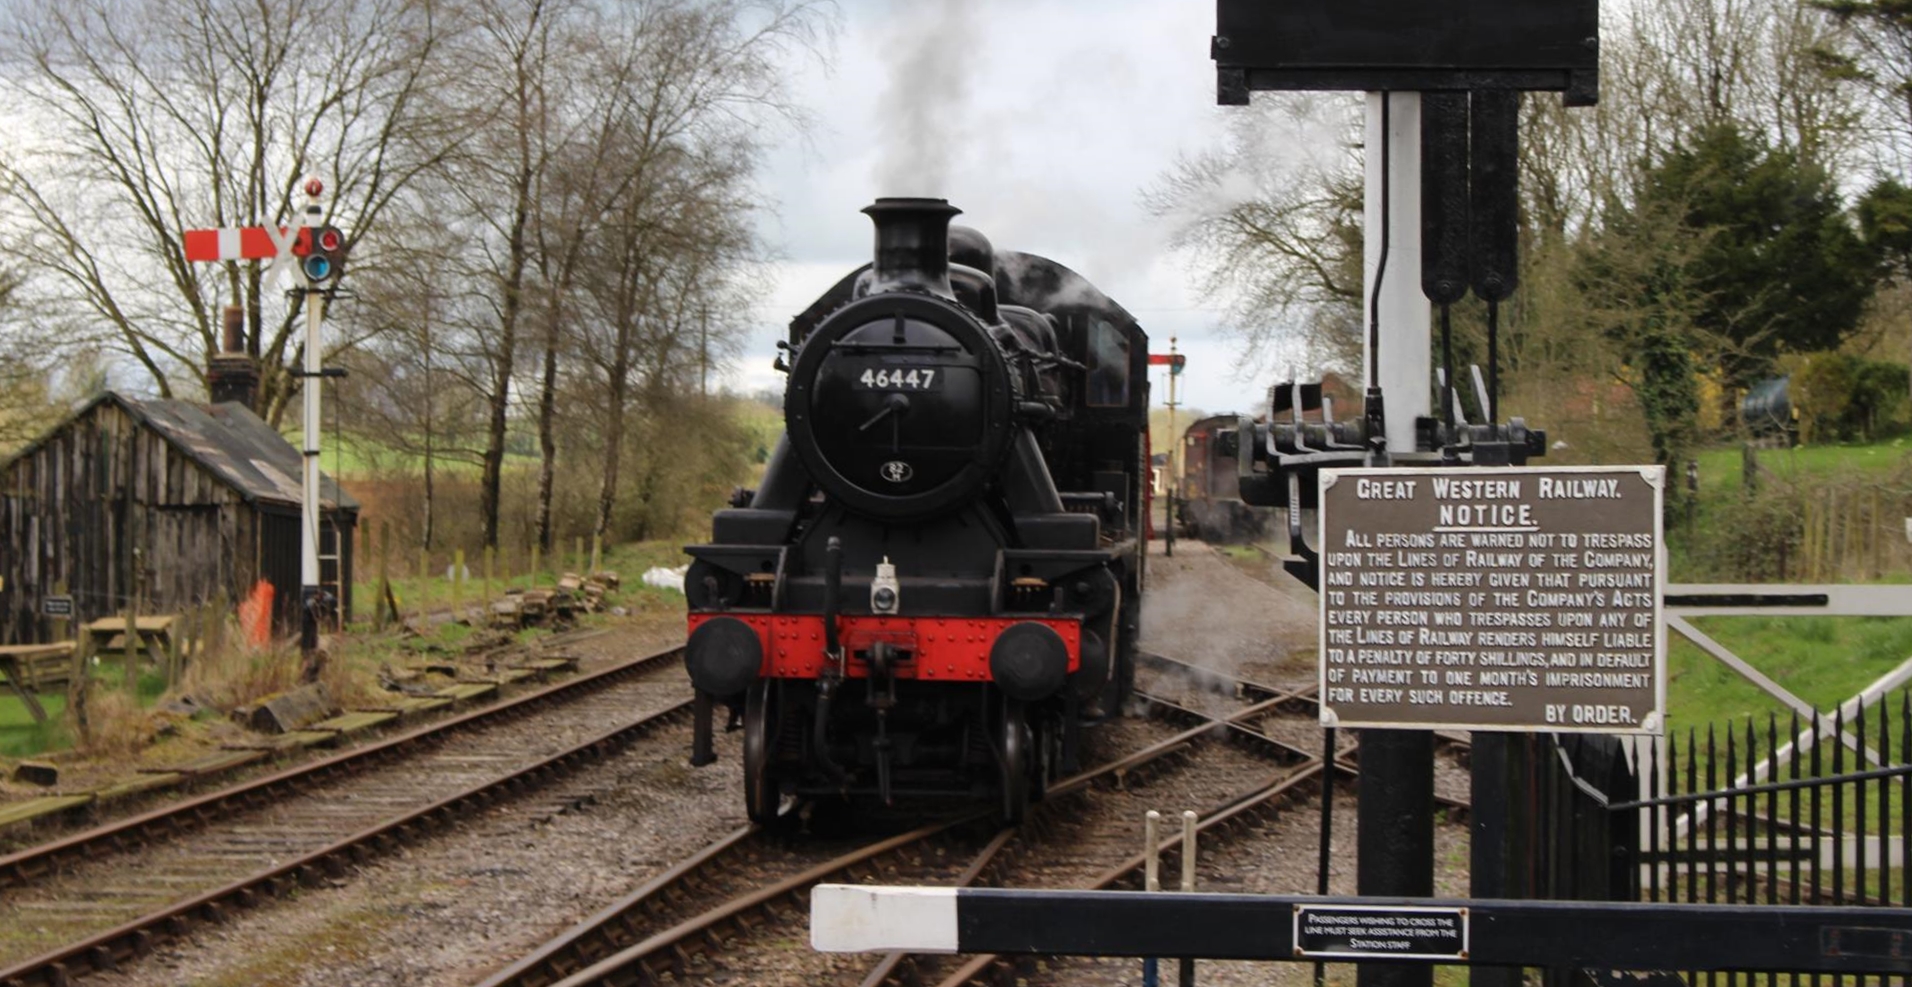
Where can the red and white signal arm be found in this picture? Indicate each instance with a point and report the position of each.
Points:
(278, 244)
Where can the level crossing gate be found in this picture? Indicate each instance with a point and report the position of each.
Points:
(1798, 875)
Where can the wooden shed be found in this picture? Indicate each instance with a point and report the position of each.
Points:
(186, 502)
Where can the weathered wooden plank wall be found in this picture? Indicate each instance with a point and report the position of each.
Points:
(66, 514)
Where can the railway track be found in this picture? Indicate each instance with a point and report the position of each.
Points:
(158, 786)
(102, 897)
(737, 896)
(1175, 675)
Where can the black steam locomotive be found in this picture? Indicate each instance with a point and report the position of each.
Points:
(938, 581)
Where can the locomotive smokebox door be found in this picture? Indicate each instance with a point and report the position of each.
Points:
(1407, 45)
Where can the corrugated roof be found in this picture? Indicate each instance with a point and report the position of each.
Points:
(229, 440)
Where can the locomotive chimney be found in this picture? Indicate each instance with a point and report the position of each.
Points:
(912, 245)
(232, 377)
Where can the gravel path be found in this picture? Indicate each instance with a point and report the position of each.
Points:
(1199, 607)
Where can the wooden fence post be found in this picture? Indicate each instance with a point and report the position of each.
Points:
(484, 598)
(457, 582)
(79, 686)
(597, 554)
(131, 589)
(577, 555)
(1808, 545)
(169, 655)
(384, 576)
(215, 642)
(534, 565)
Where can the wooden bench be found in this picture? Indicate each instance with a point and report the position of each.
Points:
(155, 633)
(31, 667)
(38, 665)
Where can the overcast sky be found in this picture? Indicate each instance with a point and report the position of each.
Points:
(1042, 120)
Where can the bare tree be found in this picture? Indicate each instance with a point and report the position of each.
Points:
(575, 113)
(401, 394)
(165, 115)
(1272, 223)
(662, 262)
(687, 92)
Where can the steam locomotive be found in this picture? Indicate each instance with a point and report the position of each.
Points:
(937, 582)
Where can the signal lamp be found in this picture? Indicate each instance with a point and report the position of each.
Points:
(325, 256)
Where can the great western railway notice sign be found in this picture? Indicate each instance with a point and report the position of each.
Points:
(1513, 598)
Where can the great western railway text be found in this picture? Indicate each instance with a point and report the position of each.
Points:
(1517, 599)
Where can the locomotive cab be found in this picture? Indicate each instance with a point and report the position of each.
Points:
(936, 582)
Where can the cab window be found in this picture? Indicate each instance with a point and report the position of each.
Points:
(1108, 364)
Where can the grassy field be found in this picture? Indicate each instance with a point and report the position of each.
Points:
(1721, 469)
(1822, 660)
(437, 592)
(20, 736)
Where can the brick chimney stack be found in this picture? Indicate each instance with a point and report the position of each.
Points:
(233, 376)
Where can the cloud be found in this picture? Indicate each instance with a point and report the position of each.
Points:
(1043, 120)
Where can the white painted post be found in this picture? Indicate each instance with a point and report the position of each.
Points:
(1188, 849)
(309, 390)
(1152, 848)
(1406, 362)
(1151, 878)
(1185, 969)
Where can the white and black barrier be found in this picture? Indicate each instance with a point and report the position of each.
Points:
(1595, 935)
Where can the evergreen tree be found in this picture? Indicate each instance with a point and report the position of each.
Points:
(1780, 268)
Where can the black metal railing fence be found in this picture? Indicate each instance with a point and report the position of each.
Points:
(1793, 810)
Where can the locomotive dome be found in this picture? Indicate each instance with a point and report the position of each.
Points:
(900, 403)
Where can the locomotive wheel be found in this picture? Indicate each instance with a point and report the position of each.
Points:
(1016, 756)
(1048, 755)
(761, 795)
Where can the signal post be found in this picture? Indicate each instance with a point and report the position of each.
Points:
(318, 250)
(1172, 484)
(321, 266)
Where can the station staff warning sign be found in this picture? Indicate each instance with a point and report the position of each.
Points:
(1514, 598)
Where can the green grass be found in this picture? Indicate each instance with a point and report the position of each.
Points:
(1822, 660)
(351, 455)
(20, 736)
(1720, 469)
(435, 592)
